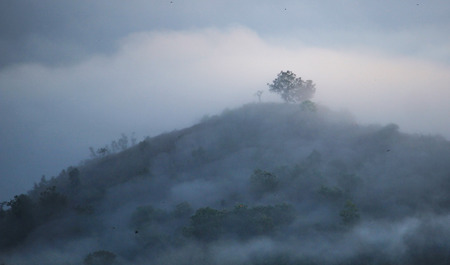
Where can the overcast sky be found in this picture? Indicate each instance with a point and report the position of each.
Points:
(75, 74)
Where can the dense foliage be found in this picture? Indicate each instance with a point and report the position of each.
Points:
(291, 88)
(263, 184)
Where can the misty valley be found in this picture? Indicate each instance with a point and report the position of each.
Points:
(263, 184)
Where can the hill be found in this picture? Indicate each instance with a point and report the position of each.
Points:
(262, 184)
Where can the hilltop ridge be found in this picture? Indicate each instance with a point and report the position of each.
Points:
(273, 180)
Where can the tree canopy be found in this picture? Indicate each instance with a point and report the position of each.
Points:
(292, 88)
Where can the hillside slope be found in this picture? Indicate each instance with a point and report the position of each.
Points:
(262, 184)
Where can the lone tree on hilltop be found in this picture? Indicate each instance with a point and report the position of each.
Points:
(292, 88)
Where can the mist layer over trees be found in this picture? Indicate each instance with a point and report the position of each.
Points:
(266, 183)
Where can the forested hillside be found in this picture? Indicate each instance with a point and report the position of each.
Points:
(266, 183)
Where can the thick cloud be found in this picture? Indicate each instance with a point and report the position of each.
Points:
(59, 33)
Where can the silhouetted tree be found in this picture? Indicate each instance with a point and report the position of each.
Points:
(259, 94)
(21, 206)
(17, 221)
(292, 88)
(74, 177)
(103, 151)
(2, 211)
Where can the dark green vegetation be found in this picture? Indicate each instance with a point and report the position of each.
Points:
(101, 257)
(291, 88)
(263, 184)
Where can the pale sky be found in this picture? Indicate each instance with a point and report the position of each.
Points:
(75, 74)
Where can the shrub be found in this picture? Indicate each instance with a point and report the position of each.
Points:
(101, 257)
(263, 181)
(349, 214)
(146, 215)
(18, 221)
(206, 224)
(209, 224)
(51, 202)
(332, 194)
(183, 209)
(308, 105)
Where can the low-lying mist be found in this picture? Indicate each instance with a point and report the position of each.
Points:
(266, 183)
